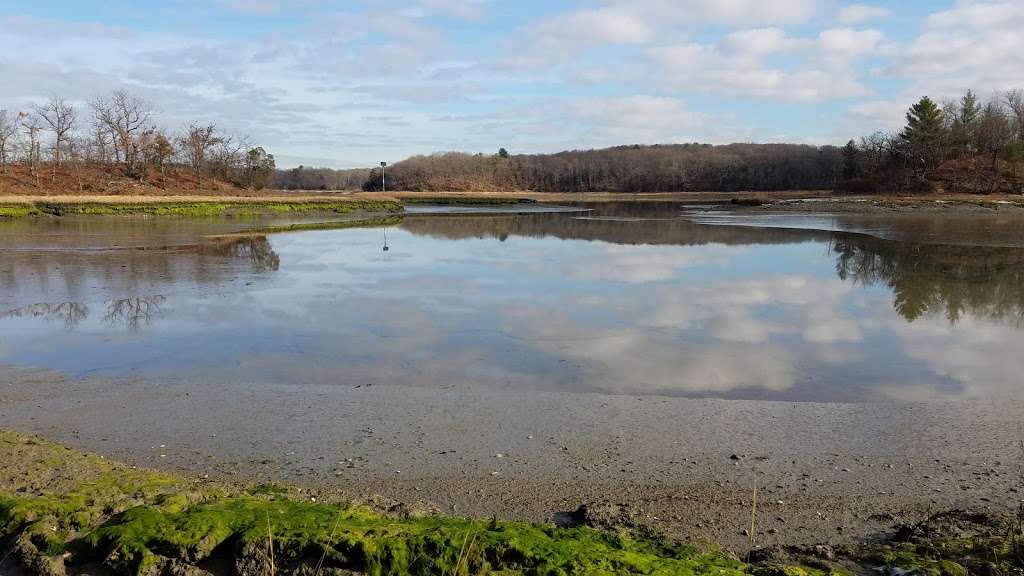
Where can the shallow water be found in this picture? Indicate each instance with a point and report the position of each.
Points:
(637, 299)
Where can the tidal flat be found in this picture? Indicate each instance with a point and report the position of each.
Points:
(654, 360)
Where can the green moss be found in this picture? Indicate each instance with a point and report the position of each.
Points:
(130, 520)
(17, 210)
(197, 209)
(356, 539)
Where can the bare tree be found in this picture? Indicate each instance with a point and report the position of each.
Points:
(994, 131)
(76, 149)
(197, 144)
(126, 117)
(8, 131)
(1014, 100)
(157, 150)
(32, 126)
(60, 117)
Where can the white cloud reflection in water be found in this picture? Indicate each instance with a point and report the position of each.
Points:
(459, 303)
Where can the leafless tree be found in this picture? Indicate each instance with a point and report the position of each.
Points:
(76, 151)
(126, 117)
(8, 132)
(157, 150)
(196, 144)
(994, 131)
(32, 126)
(60, 117)
(1014, 100)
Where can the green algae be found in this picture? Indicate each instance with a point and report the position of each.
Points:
(18, 210)
(195, 209)
(59, 506)
(357, 539)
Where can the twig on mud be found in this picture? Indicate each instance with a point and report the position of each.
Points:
(464, 552)
(752, 537)
(270, 545)
(330, 543)
(465, 558)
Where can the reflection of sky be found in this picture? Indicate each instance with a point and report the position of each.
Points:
(754, 321)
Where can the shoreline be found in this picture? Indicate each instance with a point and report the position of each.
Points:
(282, 203)
(842, 471)
(61, 509)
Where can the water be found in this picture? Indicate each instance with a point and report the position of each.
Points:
(636, 299)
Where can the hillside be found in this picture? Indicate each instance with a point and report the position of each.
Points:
(103, 180)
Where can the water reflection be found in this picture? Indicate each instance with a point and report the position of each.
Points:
(133, 313)
(928, 279)
(122, 266)
(626, 299)
(68, 313)
(130, 313)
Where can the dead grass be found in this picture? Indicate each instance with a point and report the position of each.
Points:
(146, 199)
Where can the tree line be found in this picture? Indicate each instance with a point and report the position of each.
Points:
(306, 178)
(963, 145)
(654, 168)
(120, 132)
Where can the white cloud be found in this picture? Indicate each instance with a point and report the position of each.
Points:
(859, 13)
(639, 119)
(735, 64)
(975, 45)
(465, 9)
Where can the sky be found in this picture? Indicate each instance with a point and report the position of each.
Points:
(350, 83)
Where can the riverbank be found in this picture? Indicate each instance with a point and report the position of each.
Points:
(835, 473)
(193, 206)
(61, 509)
(248, 204)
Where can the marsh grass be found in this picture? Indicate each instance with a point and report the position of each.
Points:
(193, 206)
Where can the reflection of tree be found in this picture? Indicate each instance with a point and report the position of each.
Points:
(661, 224)
(256, 249)
(926, 278)
(70, 313)
(133, 312)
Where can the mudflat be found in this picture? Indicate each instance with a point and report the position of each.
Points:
(825, 472)
(660, 362)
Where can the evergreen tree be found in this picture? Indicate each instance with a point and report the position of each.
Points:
(925, 136)
(970, 108)
(851, 160)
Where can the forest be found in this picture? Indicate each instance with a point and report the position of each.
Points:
(964, 145)
(58, 146)
(654, 168)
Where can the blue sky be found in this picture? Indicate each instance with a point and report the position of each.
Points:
(349, 83)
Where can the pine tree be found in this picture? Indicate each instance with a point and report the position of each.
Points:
(851, 160)
(925, 136)
(969, 110)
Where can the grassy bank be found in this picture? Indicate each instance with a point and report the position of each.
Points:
(12, 207)
(62, 509)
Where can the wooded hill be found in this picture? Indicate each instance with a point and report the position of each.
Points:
(963, 146)
(657, 168)
(115, 146)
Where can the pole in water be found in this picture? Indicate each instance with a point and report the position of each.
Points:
(386, 239)
(383, 185)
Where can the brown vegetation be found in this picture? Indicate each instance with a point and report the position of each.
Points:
(959, 147)
(626, 169)
(120, 149)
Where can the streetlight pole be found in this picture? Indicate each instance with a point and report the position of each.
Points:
(383, 184)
